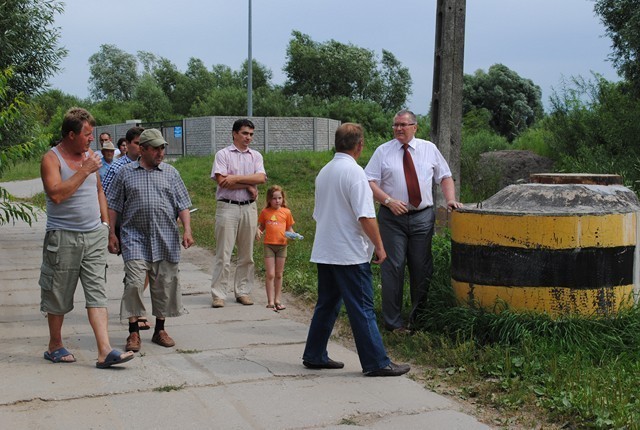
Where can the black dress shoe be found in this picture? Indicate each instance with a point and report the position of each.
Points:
(330, 364)
(391, 370)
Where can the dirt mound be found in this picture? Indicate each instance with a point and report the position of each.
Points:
(514, 166)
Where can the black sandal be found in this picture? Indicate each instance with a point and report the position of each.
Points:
(143, 324)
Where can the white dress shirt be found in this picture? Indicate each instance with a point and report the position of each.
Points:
(385, 168)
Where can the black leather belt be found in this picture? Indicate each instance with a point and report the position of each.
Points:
(234, 202)
(418, 210)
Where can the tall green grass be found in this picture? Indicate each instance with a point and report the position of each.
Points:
(21, 170)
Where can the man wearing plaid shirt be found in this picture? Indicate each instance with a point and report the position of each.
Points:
(150, 196)
(133, 145)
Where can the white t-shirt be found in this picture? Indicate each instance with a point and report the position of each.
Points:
(342, 197)
(385, 168)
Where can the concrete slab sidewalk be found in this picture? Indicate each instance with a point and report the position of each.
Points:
(23, 189)
(238, 367)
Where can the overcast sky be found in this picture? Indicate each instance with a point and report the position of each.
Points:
(542, 40)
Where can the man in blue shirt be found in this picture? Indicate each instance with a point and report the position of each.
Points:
(108, 152)
(133, 152)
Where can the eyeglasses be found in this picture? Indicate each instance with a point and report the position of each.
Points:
(403, 124)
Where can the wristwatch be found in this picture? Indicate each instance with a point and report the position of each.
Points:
(107, 224)
(387, 200)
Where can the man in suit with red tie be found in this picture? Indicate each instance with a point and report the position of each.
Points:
(401, 173)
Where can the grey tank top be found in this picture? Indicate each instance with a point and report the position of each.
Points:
(81, 211)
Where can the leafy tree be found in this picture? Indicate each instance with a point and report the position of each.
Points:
(332, 69)
(225, 77)
(13, 111)
(476, 120)
(621, 19)
(50, 107)
(52, 101)
(195, 84)
(594, 127)
(514, 102)
(149, 61)
(396, 83)
(150, 102)
(29, 43)
(111, 111)
(219, 91)
(114, 74)
(167, 76)
(375, 121)
(221, 102)
(272, 102)
(260, 75)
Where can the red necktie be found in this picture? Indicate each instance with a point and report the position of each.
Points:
(411, 177)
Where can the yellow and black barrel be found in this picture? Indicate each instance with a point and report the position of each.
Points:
(563, 245)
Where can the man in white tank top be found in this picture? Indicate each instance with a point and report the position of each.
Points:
(75, 244)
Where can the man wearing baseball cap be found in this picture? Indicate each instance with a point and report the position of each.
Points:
(108, 152)
(149, 195)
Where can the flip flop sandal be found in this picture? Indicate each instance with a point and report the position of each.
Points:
(58, 355)
(280, 307)
(270, 306)
(112, 359)
(143, 324)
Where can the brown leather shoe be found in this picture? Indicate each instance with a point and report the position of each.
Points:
(133, 342)
(217, 303)
(245, 300)
(162, 338)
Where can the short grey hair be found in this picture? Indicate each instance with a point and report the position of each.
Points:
(407, 112)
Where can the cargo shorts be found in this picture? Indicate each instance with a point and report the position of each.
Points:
(68, 256)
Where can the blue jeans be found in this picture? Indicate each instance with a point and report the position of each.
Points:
(353, 285)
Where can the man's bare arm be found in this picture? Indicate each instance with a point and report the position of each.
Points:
(370, 227)
(449, 191)
(57, 189)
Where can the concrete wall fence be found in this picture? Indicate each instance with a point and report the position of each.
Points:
(206, 135)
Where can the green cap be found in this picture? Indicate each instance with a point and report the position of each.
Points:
(152, 137)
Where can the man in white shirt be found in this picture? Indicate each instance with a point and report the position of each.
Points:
(407, 220)
(346, 237)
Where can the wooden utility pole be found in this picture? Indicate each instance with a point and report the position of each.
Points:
(446, 100)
